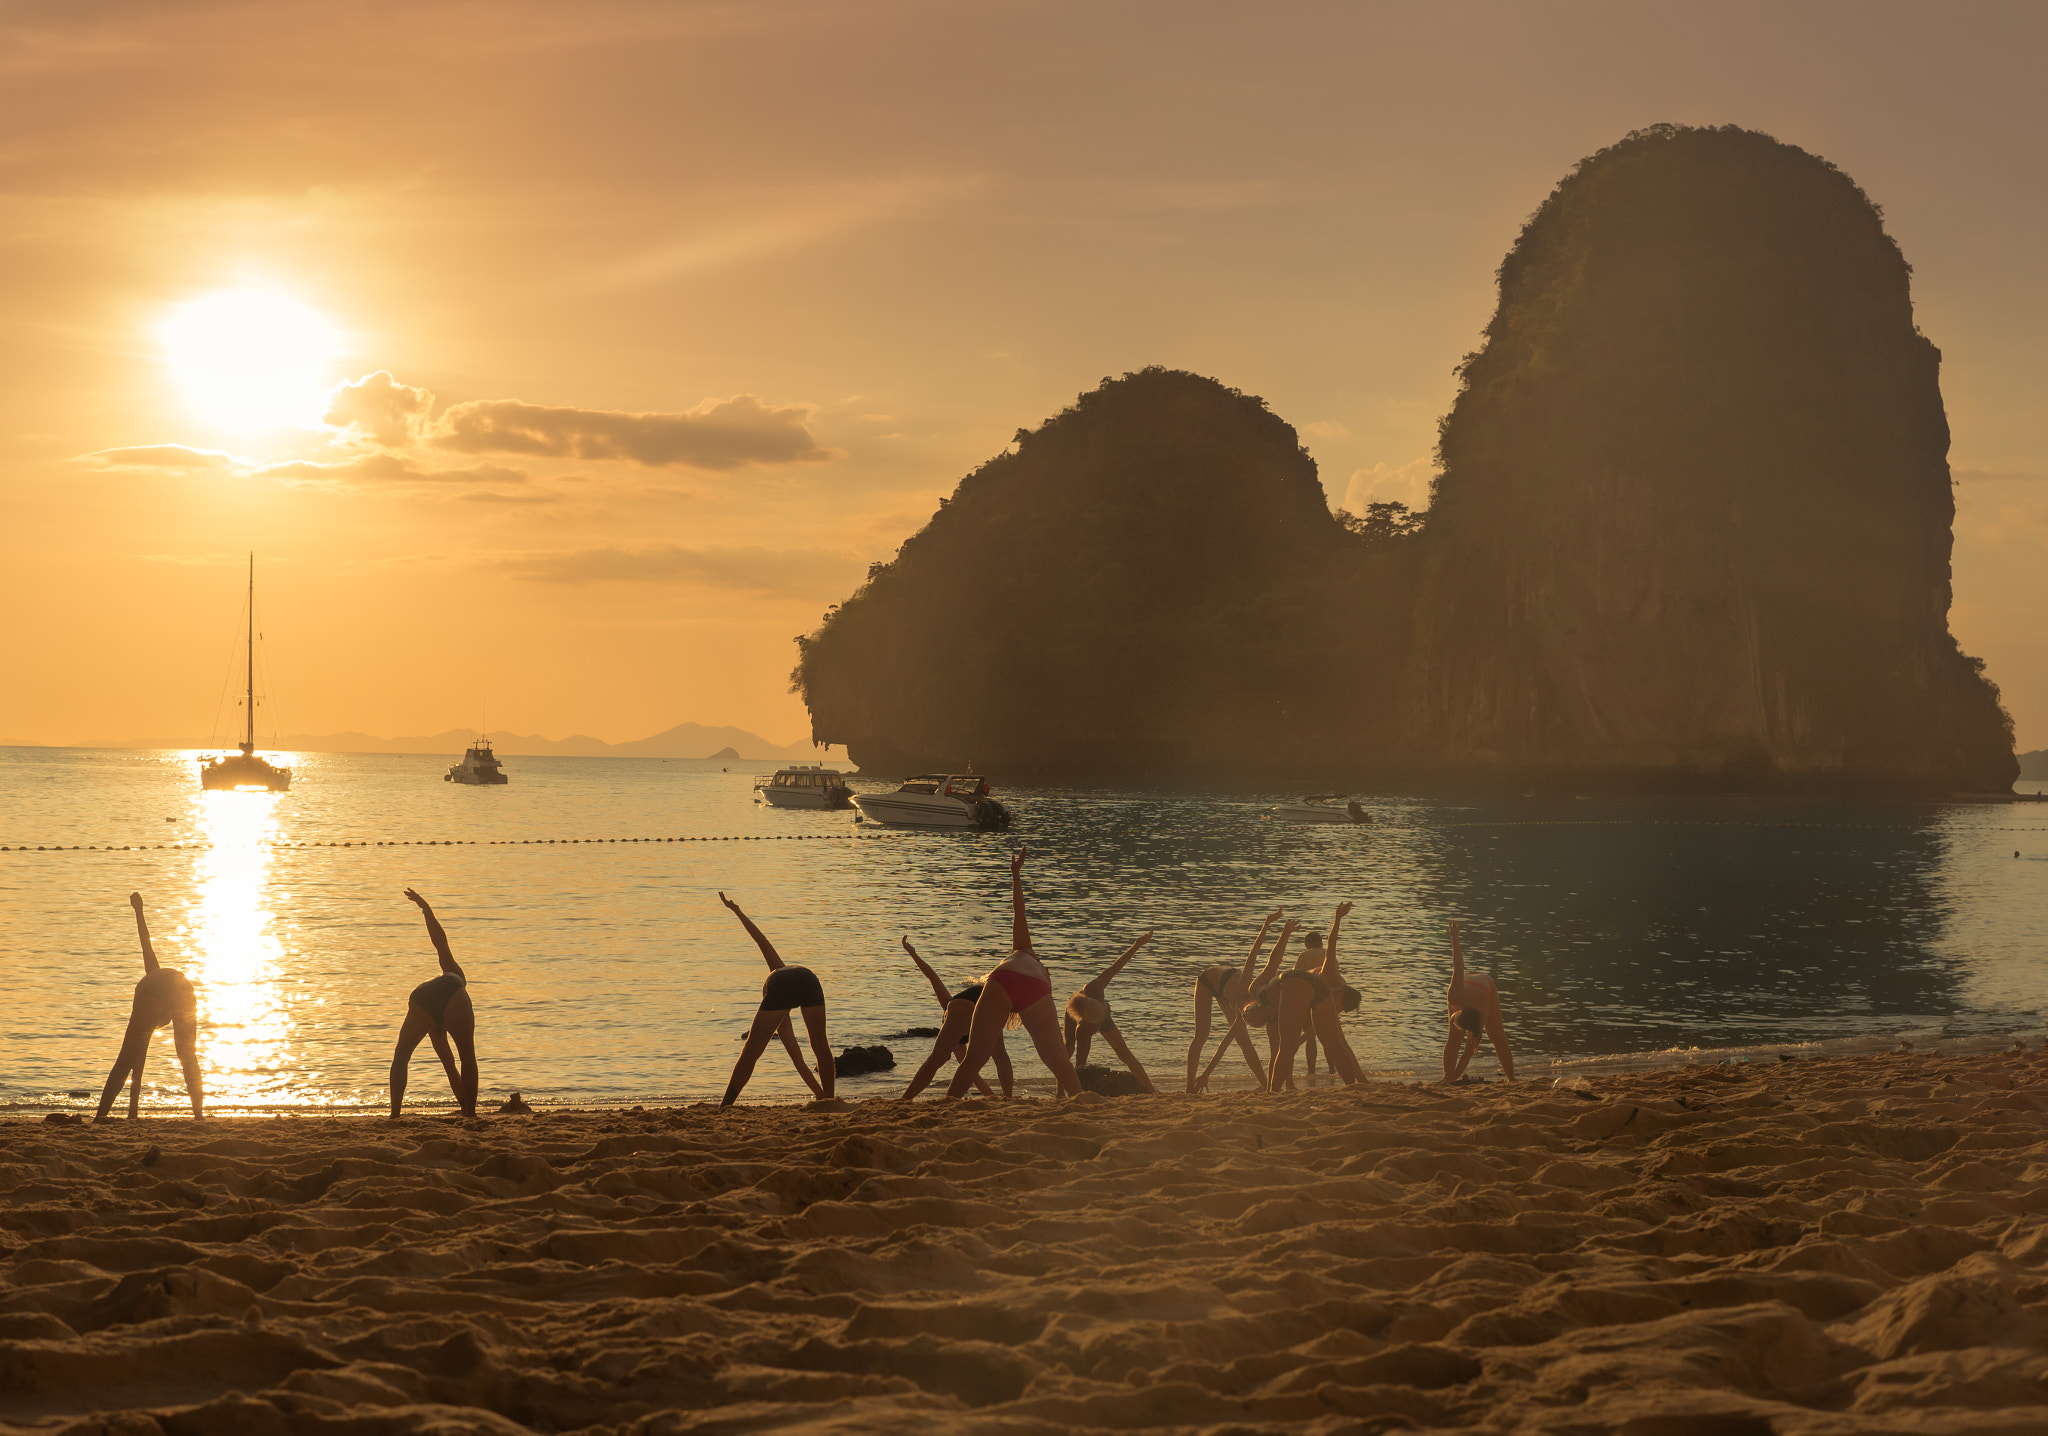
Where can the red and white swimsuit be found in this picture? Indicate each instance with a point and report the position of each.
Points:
(1023, 979)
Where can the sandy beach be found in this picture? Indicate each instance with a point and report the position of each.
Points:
(1817, 1246)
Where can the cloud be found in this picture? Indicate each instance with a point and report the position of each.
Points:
(378, 408)
(1385, 483)
(796, 573)
(173, 458)
(380, 470)
(719, 434)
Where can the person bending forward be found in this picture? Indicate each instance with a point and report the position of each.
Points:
(1088, 1013)
(438, 1009)
(163, 997)
(951, 1042)
(1017, 988)
(1474, 1005)
(785, 989)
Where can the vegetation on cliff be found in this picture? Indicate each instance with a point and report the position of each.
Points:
(1692, 526)
(1695, 508)
(1134, 589)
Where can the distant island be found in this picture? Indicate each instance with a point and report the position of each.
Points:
(1692, 531)
(685, 740)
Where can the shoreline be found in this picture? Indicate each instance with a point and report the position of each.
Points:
(1825, 1245)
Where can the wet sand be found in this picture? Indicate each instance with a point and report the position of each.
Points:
(1842, 1245)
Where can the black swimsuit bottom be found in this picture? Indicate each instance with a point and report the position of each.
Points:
(969, 993)
(1316, 984)
(433, 996)
(1215, 984)
(789, 987)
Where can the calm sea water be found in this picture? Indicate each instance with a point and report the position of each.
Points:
(606, 971)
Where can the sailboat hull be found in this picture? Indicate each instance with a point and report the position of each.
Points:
(240, 771)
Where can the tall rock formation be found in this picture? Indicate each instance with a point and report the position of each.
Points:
(1694, 517)
(1692, 530)
(1131, 594)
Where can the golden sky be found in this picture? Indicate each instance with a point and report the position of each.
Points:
(660, 322)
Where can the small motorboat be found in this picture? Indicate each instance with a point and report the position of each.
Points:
(806, 786)
(479, 767)
(1320, 808)
(936, 800)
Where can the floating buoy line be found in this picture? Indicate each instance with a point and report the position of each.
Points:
(427, 843)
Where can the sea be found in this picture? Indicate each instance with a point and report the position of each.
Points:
(582, 899)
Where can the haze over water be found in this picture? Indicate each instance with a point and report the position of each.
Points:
(606, 971)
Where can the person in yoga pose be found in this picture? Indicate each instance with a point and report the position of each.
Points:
(1228, 988)
(1088, 1013)
(1312, 997)
(958, 1008)
(438, 1010)
(162, 998)
(785, 989)
(1017, 988)
(1474, 1004)
(1256, 1010)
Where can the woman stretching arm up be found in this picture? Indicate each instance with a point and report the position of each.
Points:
(1474, 1003)
(785, 988)
(952, 1039)
(1088, 1013)
(162, 997)
(1017, 987)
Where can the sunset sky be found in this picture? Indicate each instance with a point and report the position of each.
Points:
(659, 323)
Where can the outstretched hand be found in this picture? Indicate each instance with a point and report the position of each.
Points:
(728, 902)
(135, 901)
(1289, 926)
(1343, 909)
(1017, 860)
(908, 948)
(1143, 938)
(418, 899)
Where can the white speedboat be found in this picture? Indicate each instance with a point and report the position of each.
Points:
(1320, 808)
(936, 800)
(479, 766)
(812, 786)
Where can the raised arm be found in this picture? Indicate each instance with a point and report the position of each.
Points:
(1330, 974)
(1100, 985)
(1020, 928)
(142, 932)
(938, 987)
(1251, 959)
(440, 938)
(1457, 992)
(768, 953)
(1279, 952)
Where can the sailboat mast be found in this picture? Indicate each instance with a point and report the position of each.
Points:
(249, 696)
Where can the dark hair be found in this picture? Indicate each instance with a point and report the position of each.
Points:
(1470, 1018)
(1351, 999)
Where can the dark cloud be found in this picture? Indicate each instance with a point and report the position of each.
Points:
(796, 573)
(717, 434)
(379, 408)
(174, 457)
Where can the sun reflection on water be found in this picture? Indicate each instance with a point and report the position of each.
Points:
(235, 957)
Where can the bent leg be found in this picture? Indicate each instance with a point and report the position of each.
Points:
(409, 1034)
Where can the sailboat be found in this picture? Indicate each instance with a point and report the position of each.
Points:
(219, 774)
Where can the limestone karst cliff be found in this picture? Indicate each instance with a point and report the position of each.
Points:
(1692, 529)
(1694, 515)
(1133, 591)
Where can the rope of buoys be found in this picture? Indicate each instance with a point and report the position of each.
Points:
(429, 843)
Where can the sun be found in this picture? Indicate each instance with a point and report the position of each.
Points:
(252, 358)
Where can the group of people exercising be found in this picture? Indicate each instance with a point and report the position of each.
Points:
(1298, 1007)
